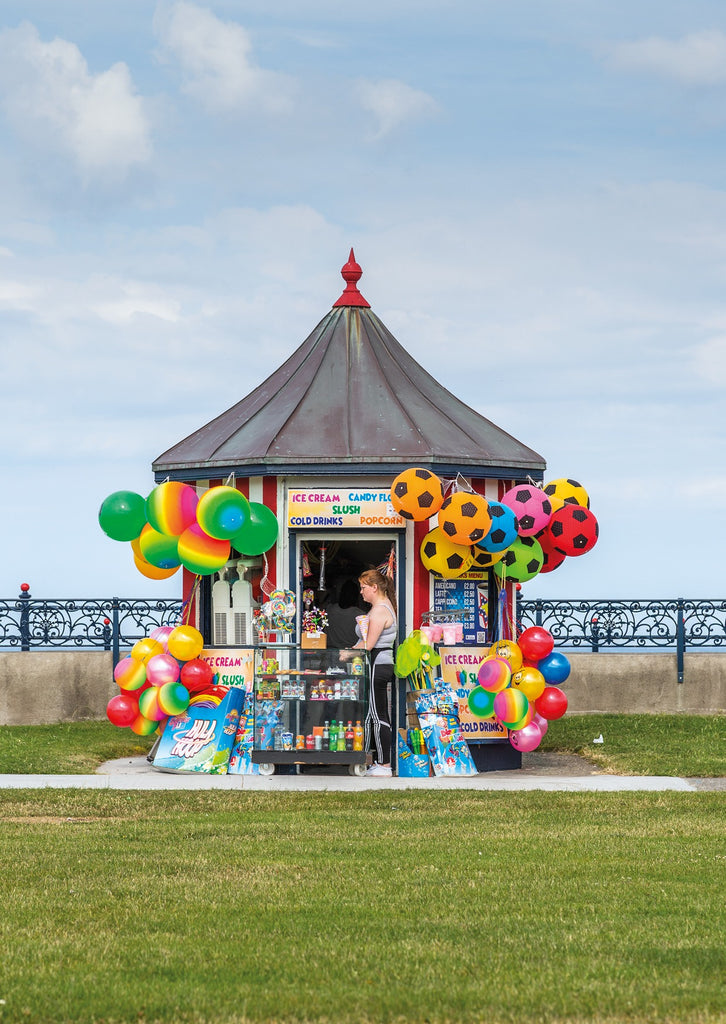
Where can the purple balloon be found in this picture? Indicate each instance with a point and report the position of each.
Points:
(526, 739)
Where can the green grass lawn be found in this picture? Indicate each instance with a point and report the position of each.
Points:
(125, 907)
(436, 907)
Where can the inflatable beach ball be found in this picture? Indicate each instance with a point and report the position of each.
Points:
(417, 494)
(464, 517)
(442, 556)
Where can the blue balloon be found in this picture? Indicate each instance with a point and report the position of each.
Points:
(555, 668)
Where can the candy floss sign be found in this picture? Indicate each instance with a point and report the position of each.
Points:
(341, 507)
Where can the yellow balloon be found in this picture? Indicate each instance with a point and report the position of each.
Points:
(185, 643)
(530, 681)
(510, 651)
(146, 648)
(152, 572)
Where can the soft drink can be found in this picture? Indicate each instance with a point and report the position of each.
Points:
(300, 742)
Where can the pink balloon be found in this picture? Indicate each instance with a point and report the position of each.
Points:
(541, 723)
(161, 669)
(526, 739)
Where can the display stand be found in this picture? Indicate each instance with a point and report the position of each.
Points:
(299, 693)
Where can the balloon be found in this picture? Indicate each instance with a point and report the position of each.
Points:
(541, 723)
(146, 648)
(481, 702)
(122, 710)
(494, 674)
(122, 515)
(130, 673)
(508, 650)
(171, 507)
(158, 548)
(173, 698)
(222, 512)
(144, 726)
(161, 669)
(200, 553)
(530, 681)
(510, 706)
(259, 533)
(555, 668)
(417, 494)
(536, 642)
(197, 675)
(552, 703)
(152, 572)
(464, 517)
(526, 739)
(531, 506)
(522, 561)
(185, 643)
(161, 634)
(149, 704)
(440, 555)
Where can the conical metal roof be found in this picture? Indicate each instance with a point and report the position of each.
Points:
(349, 400)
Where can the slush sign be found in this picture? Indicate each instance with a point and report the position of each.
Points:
(341, 507)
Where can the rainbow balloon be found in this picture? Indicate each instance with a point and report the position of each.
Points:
(143, 726)
(481, 702)
(162, 669)
(130, 673)
(510, 707)
(222, 512)
(200, 553)
(173, 698)
(494, 674)
(159, 549)
(152, 572)
(149, 704)
(172, 507)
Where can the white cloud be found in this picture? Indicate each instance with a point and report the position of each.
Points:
(216, 59)
(698, 58)
(55, 103)
(393, 103)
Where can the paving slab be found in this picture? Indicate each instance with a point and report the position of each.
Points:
(554, 773)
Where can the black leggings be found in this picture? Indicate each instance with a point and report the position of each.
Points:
(378, 720)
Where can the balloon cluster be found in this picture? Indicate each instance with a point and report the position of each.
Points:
(519, 683)
(175, 527)
(159, 678)
(531, 530)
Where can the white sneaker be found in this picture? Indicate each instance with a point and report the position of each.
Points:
(379, 771)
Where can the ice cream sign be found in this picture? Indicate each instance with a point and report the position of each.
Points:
(341, 507)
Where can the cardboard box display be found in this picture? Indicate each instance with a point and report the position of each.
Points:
(201, 738)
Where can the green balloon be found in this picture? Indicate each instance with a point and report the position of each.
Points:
(259, 532)
(122, 516)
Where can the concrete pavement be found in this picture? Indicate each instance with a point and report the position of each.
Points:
(550, 772)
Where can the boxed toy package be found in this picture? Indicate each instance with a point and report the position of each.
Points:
(409, 764)
(240, 760)
(201, 738)
(438, 717)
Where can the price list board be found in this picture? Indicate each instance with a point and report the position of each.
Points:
(466, 594)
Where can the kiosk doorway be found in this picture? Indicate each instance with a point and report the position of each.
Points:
(324, 563)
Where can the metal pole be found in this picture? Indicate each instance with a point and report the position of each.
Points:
(25, 617)
(680, 640)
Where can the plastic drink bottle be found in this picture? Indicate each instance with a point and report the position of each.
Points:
(333, 736)
(326, 736)
(358, 736)
(349, 736)
(341, 737)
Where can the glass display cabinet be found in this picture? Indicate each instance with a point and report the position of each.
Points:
(310, 707)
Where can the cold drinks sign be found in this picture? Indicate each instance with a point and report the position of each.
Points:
(341, 507)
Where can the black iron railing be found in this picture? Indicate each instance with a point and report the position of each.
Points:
(627, 624)
(28, 623)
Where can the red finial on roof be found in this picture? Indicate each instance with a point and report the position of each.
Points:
(352, 274)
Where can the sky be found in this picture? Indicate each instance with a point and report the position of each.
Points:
(536, 192)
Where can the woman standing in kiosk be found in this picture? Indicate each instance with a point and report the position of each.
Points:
(378, 591)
